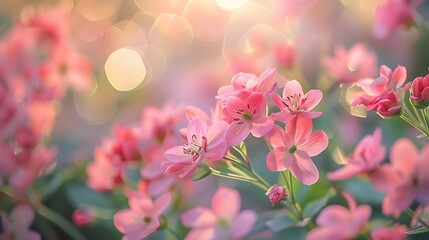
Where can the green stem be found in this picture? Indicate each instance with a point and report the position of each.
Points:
(411, 213)
(60, 221)
(232, 176)
(174, 233)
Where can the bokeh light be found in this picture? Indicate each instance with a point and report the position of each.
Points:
(125, 69)
(172, 34)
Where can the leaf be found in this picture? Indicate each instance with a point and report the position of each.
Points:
(202, 172)
(80, 195)
(313, 207)
(280, 224)
(418, 231)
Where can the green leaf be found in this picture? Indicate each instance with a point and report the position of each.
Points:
(313, 207)
(418, 231)
(81, 195)
(202, 172)
(280, 224)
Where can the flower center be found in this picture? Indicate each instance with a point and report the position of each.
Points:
(195, 149)
(293, 103)
(247, 116)
(147, 219)
(223, 223)
(292, 149)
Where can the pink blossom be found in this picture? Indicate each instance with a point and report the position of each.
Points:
(295, 102)
(22, 216)
(405, 179)
(83, 217)
(141, 219)
(381, 94)
(222, 221)
(248, 116)
(26, 136)
(7, 109)
(247, 83)
(159, 124)
(284, 54)
(338, 222)
(420, 92)
(66, 66)
(396, 232)
(294, 148)
(110, 159)
(365, 158)
(350, 66)
(203, 141)
(391, 14)
(276, 193)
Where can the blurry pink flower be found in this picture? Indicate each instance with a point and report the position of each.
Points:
(83, 217)
(365, 158)
(340, 223)
(69, 67)
(396, 232)
(405, 179)
(276, 193)
(295, 103)
(248, 116)
(7, 108)
(294, 148)
(247, 83)
(222, 221)
(22, 216)
(203, 141)
(110, 159)
(159, 124)
(350, 66)
(391, 14)
(284, 54)
(420, 92)
(26, 136)
(141, 219)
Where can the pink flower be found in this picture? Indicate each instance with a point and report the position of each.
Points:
(396, 232)
(276, 194)
(110, 159)
(295, 103)
(405, 179)
(348, 67)
(159, 124)
(284, 54)
(420, 92)
(381, 94)
(247, 83)
(391, 14)
(22, 216)
(203, 141)
(69, 67)
(141, 219)
(294, 148)
(248, 116)
(338, 222)
(83, 217)
(26, 136)
(367, 155)
(222, 221)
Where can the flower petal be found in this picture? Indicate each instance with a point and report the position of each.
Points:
(199, 217)
(314, 144)
(226, 195)
(403, 156)
(176, 155)
(303, 168)
(261, 129)
(292, 88)
(197, 129)
(279, 160)
(237, 132)
(242, 224)
(160, 204)
(312, 99)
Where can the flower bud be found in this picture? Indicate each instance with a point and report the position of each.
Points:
(83, 217)
(420, 92)
(276, 193)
